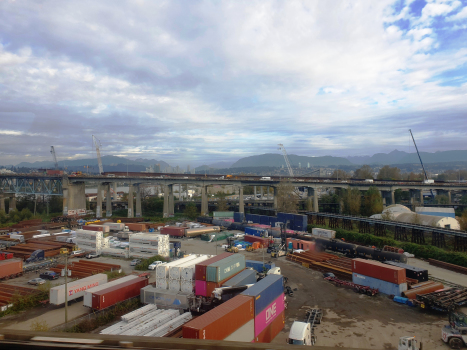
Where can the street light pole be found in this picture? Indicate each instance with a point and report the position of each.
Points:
(66, 288)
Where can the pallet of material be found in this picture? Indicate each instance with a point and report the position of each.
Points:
(446, 300)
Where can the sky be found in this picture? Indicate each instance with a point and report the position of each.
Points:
(197, 82)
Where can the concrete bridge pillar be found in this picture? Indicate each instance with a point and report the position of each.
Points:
(130, 201)
(241, 205)
(108, 204)
(138, 212)
(255, 192)
(115, 190)
(171, 200)
(261, 192)
(187, 192)
(2, 202)
(12, 204)
(313, 193)
(449, 197)
(166, 201)
(179, 192)
(74, 196)
(421, 198)
(204, 201)
(393, 197)
(267, 193)
(99, 201)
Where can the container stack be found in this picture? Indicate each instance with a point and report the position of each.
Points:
(115, 226)
(256, 315)
(119, 253)
(162, 271)
(103, 228)
(174, 231)
(147, 245)
(212, 273)
(263, 242)
(221, 215)
(183, 274)
(164, 298)
(386, 278)
(92, 241)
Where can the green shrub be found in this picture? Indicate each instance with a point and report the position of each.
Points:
(143, 265)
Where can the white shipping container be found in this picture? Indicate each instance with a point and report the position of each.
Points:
(161, 283)
(147, 238)
(188, 272)
(115, 226)
(321, 232)
(87, 300)
(162, 271)
(245, 333)
(76, 288)
(187, 286)
(105, 229)
(174, 285)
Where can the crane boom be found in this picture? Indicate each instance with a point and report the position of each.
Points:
(426, 176)
(52, 150)
(97, 143)
(284, 152)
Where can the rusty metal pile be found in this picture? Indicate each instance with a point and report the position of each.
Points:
(447, 266)
(446, 300)
(8, 292)
(50, 248)
(86, 268)
(324, 262)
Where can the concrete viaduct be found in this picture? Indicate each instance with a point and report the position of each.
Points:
(74, 200)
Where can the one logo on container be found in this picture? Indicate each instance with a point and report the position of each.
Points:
(271, 312)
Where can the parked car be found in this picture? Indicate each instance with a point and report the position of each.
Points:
(49, 275)
(135, 262)
(154, 264)
(36, 281)
(77, 253)
(92, 256)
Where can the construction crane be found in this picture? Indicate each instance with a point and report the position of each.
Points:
(52, 150)
(97, 143)
(284, 152)
(423, 167)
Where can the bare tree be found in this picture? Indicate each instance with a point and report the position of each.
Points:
(365, 172)
(340, 174)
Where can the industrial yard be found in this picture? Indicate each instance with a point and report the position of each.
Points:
(349, 319)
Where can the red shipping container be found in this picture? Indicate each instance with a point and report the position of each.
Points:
(200, 269)
(220, 322)
(301, 244)
(11, 268)
(375, 269)
(112, 295)
(173, 231)
(272, 330)
(262, 241)
(136, 227)
(93, 228)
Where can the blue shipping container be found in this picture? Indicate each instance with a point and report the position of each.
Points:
(264, 220)
(258, 232)
(243, 278)
(258, 265)
(383, 286)
(238, 217)
(266, 291)
(248, 217)
(282, 217)
(272, 221)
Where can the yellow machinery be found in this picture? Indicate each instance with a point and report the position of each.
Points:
(64, 251)
(232, 250)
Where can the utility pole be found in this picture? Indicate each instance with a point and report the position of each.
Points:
(66, 287)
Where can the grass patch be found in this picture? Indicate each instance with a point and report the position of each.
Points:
(114, 274)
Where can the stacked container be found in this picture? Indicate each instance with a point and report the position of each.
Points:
(243, 278)
(92, 241)
(264, 242)
(114, 294)
(174, 231)
(184, 272)
(115, 226)
(387, 279)
(162, 271)
(87, 293)
(102, 228)
(147, 245)
(222, 321)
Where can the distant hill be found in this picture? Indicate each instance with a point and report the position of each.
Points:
(277, 160)
(401, 157)
(111, 161)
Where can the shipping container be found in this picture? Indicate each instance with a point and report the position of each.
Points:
(300, 222)
(271, 331)
(164, 298)
(162, 270)
(225, 268)
(222, 214)
(269, 314)
(264, 242)
(259, 265)
(113, 295)
(222, 321)
(416, 273)
(264, 220)
(87, 300)
(188, 272)
(245, 333)
(76, 289)
(378, 270)
(382, 286)
(136, 227)
(300, 244)
(238, 217)
(200, 269)
(266, 291)
(115, 226)
(321, 232)
(11, 268)
(174, 231)
(102, 228)
(200, 288)
(243, 278)
(256, 231)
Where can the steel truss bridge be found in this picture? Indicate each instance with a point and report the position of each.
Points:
(404, 232)
(26, 185)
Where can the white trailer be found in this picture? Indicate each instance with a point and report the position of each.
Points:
(76, 288)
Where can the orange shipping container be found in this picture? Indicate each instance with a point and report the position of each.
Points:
(136, 227)
(375, 269)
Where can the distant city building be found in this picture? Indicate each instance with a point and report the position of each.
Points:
(188, 169)
(177, 170)
(157, 168)
(299, 165)
(308, 165)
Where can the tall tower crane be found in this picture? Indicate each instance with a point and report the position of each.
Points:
(52, 150)
(284, 152)
(423, 167)
(97, 143)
